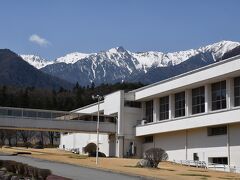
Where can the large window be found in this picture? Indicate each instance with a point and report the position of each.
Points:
(149, 111)
(180, 104)
(219, 160)
(237, 91)
(215, 131)
(164, 108)
(219, 95)
(198, 100)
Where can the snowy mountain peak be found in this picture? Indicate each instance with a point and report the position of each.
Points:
(72, 58)
(116, 50)
(36, 61)
(160, 59)
(220, 48)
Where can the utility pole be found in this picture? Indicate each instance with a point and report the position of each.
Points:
(98, 97)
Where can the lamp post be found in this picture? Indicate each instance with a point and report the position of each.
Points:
(98, 97)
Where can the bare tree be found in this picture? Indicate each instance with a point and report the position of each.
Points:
(26, 137)
(51, 136)
(155, 156)
(2, 136)
(10, 134)
(41, 137)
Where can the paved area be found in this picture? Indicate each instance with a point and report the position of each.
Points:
(70, 171)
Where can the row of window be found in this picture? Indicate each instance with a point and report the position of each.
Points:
(218, 101)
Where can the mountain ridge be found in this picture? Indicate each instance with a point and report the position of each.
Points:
(118, 64)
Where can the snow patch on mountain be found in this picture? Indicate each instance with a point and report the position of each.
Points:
(220, 48)
(159, 59)
(36, 61)
(72, 58)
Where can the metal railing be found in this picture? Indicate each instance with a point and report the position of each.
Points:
(39, 114)
(200, 164)
(213, 166)
(223, 167)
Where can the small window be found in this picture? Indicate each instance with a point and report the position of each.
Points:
(219, 160)
(214, 131)
(132, 104)
(149, 111)
(148, 139)
(195, 157)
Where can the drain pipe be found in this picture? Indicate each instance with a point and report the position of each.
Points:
(228, 146)
(186, 143)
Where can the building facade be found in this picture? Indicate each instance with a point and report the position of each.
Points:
(193, 116)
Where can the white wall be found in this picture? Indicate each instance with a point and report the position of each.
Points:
(80, 140)
(179, 146)
(206, 146)
(113, 104)
(92, 108)
(129, 121)
(173, 143)
(235, 144)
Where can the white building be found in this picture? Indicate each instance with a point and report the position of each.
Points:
(193, 116)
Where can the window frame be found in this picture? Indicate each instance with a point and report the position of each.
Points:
(180, 104)
(219, 97)
(198, 100)
(224, 160)
(217, 130)
(149, 111)
(236, 91)
(163, 108)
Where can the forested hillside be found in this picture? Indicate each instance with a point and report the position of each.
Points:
(62, 99)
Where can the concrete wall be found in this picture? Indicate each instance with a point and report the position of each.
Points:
(234, 131)
(172, 143)
(129, 121)
(80, 140)
(92, 108)
(180, 145)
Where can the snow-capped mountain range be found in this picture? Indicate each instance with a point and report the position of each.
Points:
(118, 64)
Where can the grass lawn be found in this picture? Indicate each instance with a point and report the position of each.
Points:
(166, 170)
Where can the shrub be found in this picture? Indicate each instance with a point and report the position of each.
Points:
(155, 156)
(43, 173)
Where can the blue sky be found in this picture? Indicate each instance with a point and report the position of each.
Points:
(52, 28)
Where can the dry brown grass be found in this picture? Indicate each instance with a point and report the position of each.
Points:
(166, 170)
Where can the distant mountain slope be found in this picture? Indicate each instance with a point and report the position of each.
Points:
(161, 73)
(119, 64)
(16, 72)
(233, 52)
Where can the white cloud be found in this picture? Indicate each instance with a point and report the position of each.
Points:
(38, 40)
